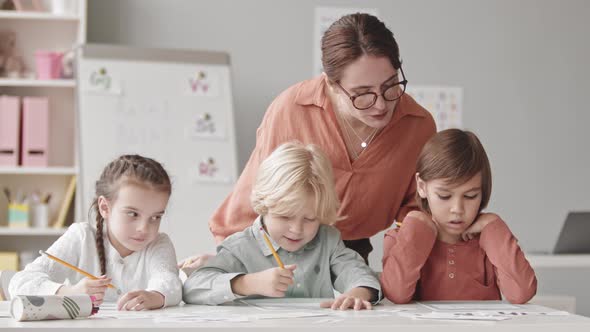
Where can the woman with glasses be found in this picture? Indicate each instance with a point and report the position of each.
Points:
(357, 112)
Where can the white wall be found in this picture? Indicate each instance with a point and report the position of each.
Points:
(523, 65)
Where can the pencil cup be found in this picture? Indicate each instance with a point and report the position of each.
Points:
(18, 215)
(40, 215)
(48, 65)
(45, 307)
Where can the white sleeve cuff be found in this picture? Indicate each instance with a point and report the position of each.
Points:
(49, 287)
(222, 291)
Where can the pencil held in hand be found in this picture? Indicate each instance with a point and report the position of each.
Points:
(272, 249)
(66, 264)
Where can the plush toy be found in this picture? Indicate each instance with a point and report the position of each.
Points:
(11, 64)
(8, 5)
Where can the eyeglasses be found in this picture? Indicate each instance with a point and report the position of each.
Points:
(366, 100)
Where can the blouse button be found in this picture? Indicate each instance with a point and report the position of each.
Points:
(451, 262)
(451, 275)
(451, 250)
(298, 285)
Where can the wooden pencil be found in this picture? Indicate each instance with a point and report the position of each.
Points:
(66, 264)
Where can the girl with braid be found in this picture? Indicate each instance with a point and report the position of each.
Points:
(123, 246)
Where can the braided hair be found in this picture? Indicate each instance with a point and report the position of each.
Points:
(133, 168)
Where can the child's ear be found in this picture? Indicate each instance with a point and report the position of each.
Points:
(420, 186)
(103, 207)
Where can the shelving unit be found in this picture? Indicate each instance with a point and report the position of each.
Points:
(33, 83)
(31, 231)
(16, 15)
(53, 32)
(39, 170)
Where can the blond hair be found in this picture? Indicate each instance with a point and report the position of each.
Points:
(289, 176)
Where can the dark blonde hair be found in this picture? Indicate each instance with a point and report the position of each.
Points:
(456, 156)
(288, 176)
(125, 169)
(353, 36)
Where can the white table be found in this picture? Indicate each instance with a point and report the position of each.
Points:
(357, 322)
(565, 275)
(559, 261)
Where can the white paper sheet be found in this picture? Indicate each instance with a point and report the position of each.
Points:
(470, 306)
(453, 316)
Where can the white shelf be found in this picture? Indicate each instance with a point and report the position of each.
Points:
(20, 82)
(17, 15)
(559, 261)
(44, 30)
(32, 231)
(39, 170)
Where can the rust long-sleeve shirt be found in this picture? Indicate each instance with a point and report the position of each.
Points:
(373, 190)
(417, 266)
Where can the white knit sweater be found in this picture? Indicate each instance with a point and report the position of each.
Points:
(154, 268)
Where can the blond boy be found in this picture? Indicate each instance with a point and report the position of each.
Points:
(296, 201)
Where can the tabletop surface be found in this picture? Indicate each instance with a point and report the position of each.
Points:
(298, 314)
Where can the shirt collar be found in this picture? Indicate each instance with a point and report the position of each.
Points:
(313, 93)
(257, 230)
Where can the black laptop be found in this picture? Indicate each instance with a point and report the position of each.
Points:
(574, 237)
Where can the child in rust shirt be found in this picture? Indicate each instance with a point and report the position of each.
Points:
(450, 250)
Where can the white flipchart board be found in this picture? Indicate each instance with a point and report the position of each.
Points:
(171, 105)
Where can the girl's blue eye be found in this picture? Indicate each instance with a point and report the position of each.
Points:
(471, 196)
(444, 198)
(132, 214)
(156, 218)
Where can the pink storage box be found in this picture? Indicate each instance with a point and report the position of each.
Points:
(48, 64)
(9, 130)
(35, 148)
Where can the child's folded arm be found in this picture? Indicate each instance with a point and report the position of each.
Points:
(405, 251)
(211, 284)
(163, 271)
(45, 276)
(515, 276)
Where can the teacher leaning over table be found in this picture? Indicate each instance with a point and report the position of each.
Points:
(358, 113)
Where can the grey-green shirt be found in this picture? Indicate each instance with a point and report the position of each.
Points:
(323, 264)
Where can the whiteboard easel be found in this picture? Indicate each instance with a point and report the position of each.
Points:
(171, 105)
